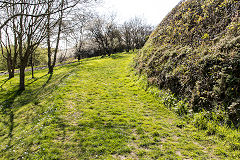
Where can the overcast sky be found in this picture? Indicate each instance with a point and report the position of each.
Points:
(153, 11)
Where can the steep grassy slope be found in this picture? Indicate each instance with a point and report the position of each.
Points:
(195, 52)
(96, 109)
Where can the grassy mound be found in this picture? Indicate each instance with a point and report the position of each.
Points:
(195, 52)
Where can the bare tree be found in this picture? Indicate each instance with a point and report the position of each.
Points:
(140, 32)
(30, 22)
(105, 33)
(8, 50)
(127, 35)
(9, 45)
(30, 33)
(113, 34)
(77, 31)
(65, 7)
(26, 23)
(135, 33)
(98, 32)
(51, 5)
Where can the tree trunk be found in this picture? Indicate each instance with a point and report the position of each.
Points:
(50, 69)
(10, 73)
(22, 65)
(32, 65)
(9, 67)
(22, 78)
(48, 37)
(32, 72)
(49, 51)
(51, 65)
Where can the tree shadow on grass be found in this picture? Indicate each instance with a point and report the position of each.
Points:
(107, 137)
(49, 78)
(36, 79)
(7, 110)
(16, 99)
(4, 82)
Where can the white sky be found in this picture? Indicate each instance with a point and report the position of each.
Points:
(153, 11)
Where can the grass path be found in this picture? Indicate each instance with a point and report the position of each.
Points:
(95, 110)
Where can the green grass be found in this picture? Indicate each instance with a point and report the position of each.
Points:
(97, 109)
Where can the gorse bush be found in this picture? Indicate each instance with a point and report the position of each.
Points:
(195, 53)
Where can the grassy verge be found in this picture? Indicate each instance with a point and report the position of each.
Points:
(210, 124)
(97, 109)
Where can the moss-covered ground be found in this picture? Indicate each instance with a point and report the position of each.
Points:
(96, 109)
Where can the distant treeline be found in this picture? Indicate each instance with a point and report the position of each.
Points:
(103, 36)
